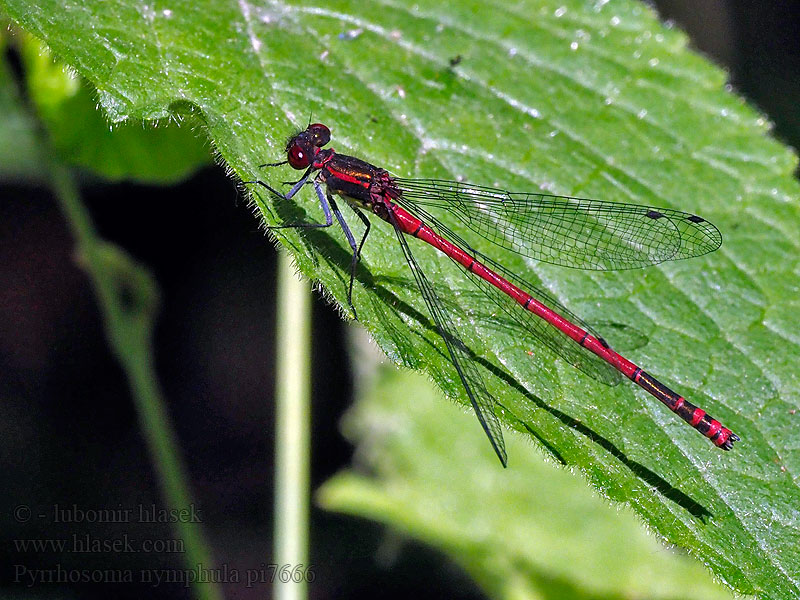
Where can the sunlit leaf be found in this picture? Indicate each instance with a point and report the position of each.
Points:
(588, 98)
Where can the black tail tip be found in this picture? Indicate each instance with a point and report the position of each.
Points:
(728, 444)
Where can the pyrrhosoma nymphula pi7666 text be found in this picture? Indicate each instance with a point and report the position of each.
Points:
(575, 232)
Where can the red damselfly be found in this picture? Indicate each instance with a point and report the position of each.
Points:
(561, 230)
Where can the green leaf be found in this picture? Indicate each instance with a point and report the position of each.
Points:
(534, 531)
(587, 98)
(82, 136)
(20, 158)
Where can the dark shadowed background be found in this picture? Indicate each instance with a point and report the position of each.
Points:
(68, 430)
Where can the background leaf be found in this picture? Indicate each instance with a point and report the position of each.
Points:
(583, 98)
(539, 532)
(82, 136)
(19, 155)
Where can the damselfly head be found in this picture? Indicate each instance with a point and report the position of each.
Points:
(303, 146)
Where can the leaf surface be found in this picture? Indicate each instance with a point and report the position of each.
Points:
(582, 98)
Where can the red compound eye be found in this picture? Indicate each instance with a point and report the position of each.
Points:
(320, 134)
(299, 156)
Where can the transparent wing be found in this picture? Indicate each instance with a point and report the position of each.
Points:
(482, 402)
(523, 324)
(572, 232)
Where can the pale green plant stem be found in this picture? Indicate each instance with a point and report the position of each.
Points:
(128, 300)
(292, 423)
